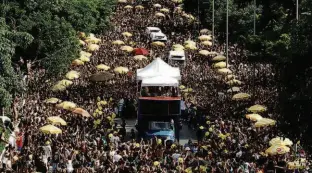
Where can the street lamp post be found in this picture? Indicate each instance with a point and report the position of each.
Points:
(254, 16)
(227, 33)
(297, 10)
(213, 15)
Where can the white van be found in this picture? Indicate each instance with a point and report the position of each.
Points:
(150, 30)
(158, 36)
(177, 57)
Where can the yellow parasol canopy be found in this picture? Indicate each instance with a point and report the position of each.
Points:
(139, 7)
(157, 5)
(72, 75)
(254, 117)
(127, 34)
(92, 39)
(257, 108)
(140, 57)
(52, 100)
(84, 59)
(189, 42)
(190, 47)
(280, 141)
(206, 43)
(127, 48)
(182, 87)
(160, 15)
(277, 149)
(219, 58)
(265, 122)
(241, 96)
(128, 7)
(67, 105)
(121, 70)
(118, 42)
(230, 77)
(55, 120)
(65, 82)
(178, 46)
(204, 52)
(93, 47)
(165, 10)
(81, 112)
(224, 71)
(205, 37)
(219, 65)
(234, 82)
(77, 62)
(122, 1)
(204, 31)
(85, 54)
(158, 43)
(297, 164)
(50, 129)
(177, 1)
(81, 43)
(58, 87)
(102, 67)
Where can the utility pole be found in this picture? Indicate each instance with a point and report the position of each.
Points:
(254, 16)
(227, 33)
(297, 10)
(213, 24)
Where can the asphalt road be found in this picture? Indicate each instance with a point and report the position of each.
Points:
(185, 133)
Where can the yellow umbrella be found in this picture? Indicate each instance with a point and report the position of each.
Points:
(52, 100)
(178, 49)
(140, 57)
(127, 48)
(189, 42)
(224, 71)
(93, 40)
(190, 17)
(297, 164)
(280, 141)
(206, 43)
(241, 96)
(257, 108)
(65, 82)
(177, 1)
(219, 58)
(58, 87)
(157, 5)
(85, 54)
(205, 37)
(190, 47)
(82, 35)
(265, 122)
(139, 7)
(102, 67)
(82, 43)
(121, 70)
(234, 82)
(175, 46)
(84, 59)
(204, 52)
(219, 65)
(77, 62)
(67, 105)
(277, 149)
(122, 1)
(93, 47)
(50, 129)
(128, 7)
(127, 34)
(182, 87)
(118, 42)
(254, 117)
(158, 43)
(72, 75)
(160, 15)
(204, 31)
(165, 10)
(230, 77)
(57, 120)
(81, 112)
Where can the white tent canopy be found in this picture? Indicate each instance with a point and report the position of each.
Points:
(158, 68)
(177, 55)
(160, 81)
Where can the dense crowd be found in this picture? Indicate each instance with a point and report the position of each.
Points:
(96, 144)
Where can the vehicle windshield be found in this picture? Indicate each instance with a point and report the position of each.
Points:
(155, 30)
(159, 126)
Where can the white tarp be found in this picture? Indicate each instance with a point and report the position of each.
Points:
(177, 55)
(158, 68)
(160, 81)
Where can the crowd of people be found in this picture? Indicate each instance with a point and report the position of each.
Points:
(96, 144)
